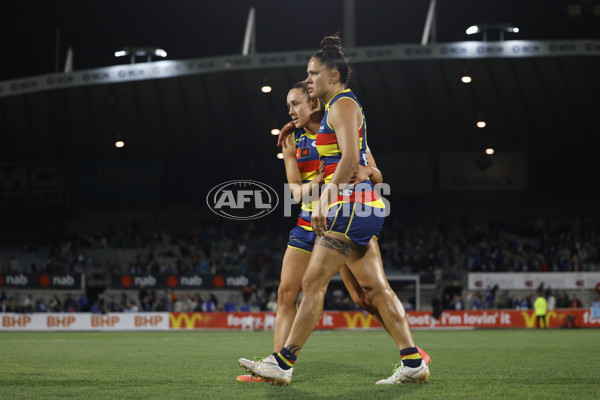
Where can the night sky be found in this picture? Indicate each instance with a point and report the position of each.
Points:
(195, 29)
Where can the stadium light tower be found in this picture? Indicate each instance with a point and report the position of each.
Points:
(484, 28)
(141, 51)
(429, 32)
(249, 46)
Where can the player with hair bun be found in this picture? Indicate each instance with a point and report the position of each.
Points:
(304, 176)
(345, 219)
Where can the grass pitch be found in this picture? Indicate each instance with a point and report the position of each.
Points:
(481, 364)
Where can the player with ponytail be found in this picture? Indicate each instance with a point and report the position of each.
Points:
(345, 218)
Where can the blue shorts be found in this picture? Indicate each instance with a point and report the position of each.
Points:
(358, 222)
(302, 239)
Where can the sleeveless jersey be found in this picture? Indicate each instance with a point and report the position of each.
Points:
(308, 162)
(329, 151)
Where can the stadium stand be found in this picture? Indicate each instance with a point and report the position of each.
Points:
(441, 252)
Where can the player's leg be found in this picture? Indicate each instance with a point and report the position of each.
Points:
(292, 270)
(358, 295)
(329, 255)
(361, 298)
(295, 261)
(367, 267)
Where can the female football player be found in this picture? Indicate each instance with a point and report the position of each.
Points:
(305, 178)
(345, 219)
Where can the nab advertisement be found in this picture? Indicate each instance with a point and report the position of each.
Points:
(42, 281)
(183, 281)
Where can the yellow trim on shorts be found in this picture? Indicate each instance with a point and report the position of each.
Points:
(334, 219)
(342, 234)
(345, 234)
(350, 222)
(298, 248)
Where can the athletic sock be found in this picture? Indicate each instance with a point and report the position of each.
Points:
(285, 359)
(411, 357)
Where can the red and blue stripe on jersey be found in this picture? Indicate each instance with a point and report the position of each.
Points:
(308, 162)
(330, 153)
(327, 144)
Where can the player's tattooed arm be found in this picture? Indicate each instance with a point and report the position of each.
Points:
(341, 246)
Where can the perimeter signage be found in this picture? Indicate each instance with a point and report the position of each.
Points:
(265, 321)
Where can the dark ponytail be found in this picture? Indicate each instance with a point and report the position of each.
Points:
(332, 57)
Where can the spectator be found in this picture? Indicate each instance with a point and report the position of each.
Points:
(272, 304)
(490, 296)
(229, 305)
(525, 303)
(209, 306)
(40, 306)
(55, 304)
(4, 307)
(214, 300)
(198, 302)
(69, 304)
(563, 300)
(133, 307)
(477, 301)
(82, 303)
(457, 303)
(551, 299)
(95, 308)
(515, 303)
(575, 302)
(28, 304)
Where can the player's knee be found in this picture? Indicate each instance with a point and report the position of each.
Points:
(311, 286)
(375, 293)
(287, 296)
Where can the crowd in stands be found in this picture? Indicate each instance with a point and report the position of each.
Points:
(216, 248)
(522, 246)
(28, 304)
(490, 299)
(442, 250)
(147, 300)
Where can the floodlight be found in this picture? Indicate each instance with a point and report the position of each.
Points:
(473, 29)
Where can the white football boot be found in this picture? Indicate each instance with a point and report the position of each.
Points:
(404, 374)
(268, 369)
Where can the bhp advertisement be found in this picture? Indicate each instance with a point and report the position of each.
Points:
(561, 318)
(84, 322)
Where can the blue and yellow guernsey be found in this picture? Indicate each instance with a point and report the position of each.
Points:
(329, 152)
(308, 162)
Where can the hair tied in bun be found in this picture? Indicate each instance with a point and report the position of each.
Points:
(332, 43)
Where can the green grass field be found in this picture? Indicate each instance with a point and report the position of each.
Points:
(482, 364)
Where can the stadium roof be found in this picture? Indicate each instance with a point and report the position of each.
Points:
(544, 104)
(33, 31)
